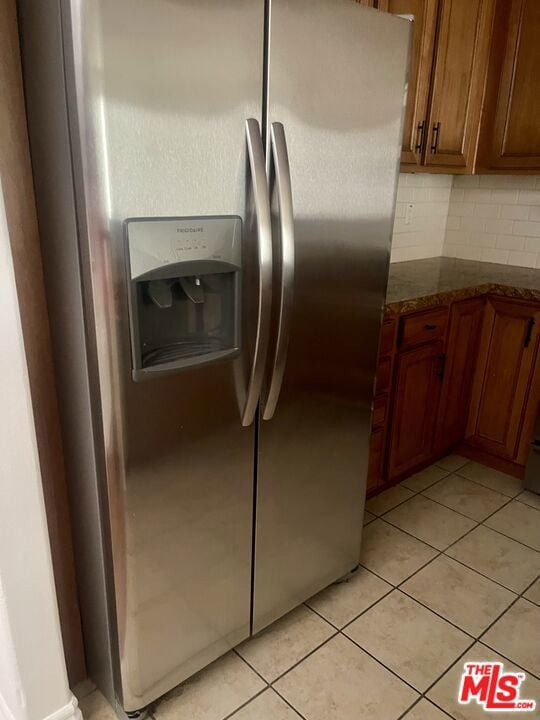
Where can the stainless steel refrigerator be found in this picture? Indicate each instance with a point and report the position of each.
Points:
(216, 185)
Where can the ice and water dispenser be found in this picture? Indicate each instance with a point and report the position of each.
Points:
(184, 291)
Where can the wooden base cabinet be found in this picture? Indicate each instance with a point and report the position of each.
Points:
(465, 377)
(503, 378)
(465, 327)
(416, 400)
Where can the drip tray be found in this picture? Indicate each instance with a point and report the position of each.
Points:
(183, 349)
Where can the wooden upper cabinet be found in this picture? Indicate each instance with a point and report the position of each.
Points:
(510, 134)
(459, 77)
(423, 43)
(503, 377)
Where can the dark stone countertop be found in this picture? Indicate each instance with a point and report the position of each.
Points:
(417, 284)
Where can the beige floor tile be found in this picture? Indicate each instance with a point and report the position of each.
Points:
(423, 479)
(497, 556)
(95, 707)
(392, 554)
(533, 593)
(388, 499)
(518, 521)
(451, 462)
(408, 639)
(445, 692)
(341, 682)
(266, 706)
(464, 597)
(529, 498)
(429, 521)
(368, 517)
(213, 693)
(424, 710)
(517, 635)
(285, 642)
(466, 497)
(342, 602)
(494, 479)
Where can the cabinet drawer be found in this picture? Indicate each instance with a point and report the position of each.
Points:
(379, 410)
(422, 327)
(384, 371)
(387, 337)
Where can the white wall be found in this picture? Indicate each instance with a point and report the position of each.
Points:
(421, 214)
(495, 218)
(33, 681)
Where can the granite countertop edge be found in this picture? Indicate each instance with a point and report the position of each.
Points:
(399, 307)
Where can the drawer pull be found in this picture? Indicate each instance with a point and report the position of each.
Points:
(430, 327)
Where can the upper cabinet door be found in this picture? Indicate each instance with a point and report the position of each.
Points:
(510, 138)
(458, 83)
(423, 43)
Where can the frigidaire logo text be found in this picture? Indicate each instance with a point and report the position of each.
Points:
(190, 229)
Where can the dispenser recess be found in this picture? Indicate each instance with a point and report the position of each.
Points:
(184, 291)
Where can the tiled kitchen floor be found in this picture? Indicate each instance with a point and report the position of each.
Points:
(449, 572)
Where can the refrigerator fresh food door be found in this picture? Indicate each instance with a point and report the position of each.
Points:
(336, 89)
(160, 95)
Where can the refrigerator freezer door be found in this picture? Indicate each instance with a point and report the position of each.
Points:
(160, 96)
(337, 78)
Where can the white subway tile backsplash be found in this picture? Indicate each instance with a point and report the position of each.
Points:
(468, 252)
(528, 197)
(488, 210)
(497, 225)
(478, 196)
(466, 181)
(453, 223)
(457, 195)
(510, 242)
(532, 245)
(496, 218)
(457, 237)
(530, 229)
(421, 215)
(475, 224)
(523, 259)
(460, 208)
(513, 182)
(494, 255)
(516, 212)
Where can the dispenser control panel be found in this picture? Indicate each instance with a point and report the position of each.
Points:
(183, 292)
(156, 242)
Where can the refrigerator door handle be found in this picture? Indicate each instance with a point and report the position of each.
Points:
(261, 199)
(286, 227)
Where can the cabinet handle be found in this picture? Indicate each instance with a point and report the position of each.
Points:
(435, 137)
(430, 327)
(420, 136)
(442, 367)
(530, 328)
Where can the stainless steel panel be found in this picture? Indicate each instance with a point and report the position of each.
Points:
(336, 81)
(162, 90)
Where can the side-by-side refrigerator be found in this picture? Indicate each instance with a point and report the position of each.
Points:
(215, 185)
